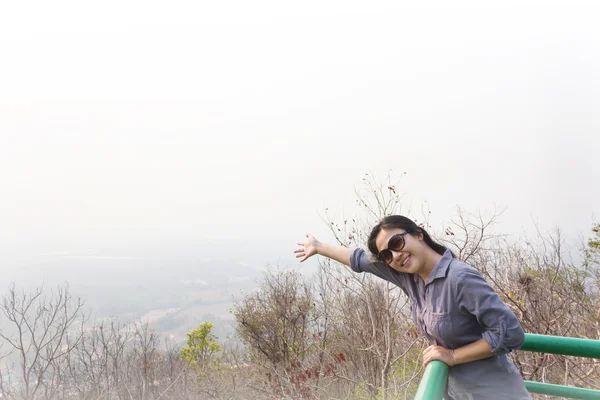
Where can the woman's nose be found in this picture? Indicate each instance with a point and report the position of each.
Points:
(396, 254)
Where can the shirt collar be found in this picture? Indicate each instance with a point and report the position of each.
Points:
(441, 268)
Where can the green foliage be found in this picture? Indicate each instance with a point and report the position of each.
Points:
(202, 348)
(591, 260)
(592, 251)
(361, 392)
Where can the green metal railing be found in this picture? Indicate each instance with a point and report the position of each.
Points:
(434, 379)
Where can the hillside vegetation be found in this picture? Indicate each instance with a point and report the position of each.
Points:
(337, 335)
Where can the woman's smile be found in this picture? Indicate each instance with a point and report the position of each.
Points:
(406, 261)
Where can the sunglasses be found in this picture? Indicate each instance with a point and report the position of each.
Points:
(396, 243)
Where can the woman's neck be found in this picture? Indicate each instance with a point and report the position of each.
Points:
(432, 259)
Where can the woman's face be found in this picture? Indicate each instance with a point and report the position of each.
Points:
(410, 258)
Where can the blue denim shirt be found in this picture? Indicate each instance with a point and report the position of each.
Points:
(456, 307)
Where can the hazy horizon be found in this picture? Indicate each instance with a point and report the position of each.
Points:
(222, 130)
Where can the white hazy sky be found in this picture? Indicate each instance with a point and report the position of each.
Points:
(231, 124)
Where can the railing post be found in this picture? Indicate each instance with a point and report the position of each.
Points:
(434, 381)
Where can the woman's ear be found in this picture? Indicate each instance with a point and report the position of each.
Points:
(419, 234)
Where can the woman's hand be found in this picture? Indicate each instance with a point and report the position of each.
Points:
(443, 354)
(308, 248)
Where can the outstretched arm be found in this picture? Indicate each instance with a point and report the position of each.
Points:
(312, 246)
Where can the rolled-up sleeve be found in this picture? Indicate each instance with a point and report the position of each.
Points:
(502, 329)
(359, 260)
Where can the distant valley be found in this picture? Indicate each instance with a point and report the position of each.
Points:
(175, 295)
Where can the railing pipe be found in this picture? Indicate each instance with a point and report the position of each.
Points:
(567, 346)
(562, 391)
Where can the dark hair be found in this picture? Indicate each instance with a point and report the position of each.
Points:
(402, 222)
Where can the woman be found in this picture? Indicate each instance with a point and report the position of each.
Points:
(470, 328)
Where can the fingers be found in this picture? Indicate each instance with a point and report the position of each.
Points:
(438, 353)
(428, 349)
(428, 355)
(301, 252)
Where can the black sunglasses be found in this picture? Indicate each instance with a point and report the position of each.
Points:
(395, 243)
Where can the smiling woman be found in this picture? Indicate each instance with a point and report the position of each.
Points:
(469, 327)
